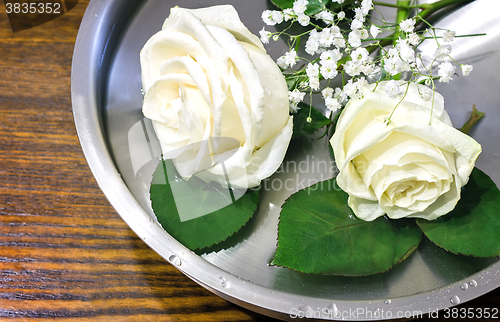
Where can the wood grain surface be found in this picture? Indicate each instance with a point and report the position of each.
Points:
(64, 252)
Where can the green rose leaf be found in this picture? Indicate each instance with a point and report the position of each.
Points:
(473, 227)
(313, 7)
(300, 125)
(319, 234)
(180, 216)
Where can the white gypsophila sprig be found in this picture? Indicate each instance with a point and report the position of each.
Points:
(446, 71)
(295, 97)
(300, 6)
(466, 69)
(312, 72)
(272, 17)
(426, 93)
(374, 31)
(448, 35)
(337, 43)
(303, 20)
(289, 14)
(442, 51)
(407, 25)
(393, 89)
(288, 60)
(265, 35)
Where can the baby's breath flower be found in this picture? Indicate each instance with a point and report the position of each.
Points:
(448, 35)
(289, 14)
(366, 6)
(281, 62)
(295, 97)
(312, 43)
(359, 55)
(339, 41)
(328, 69)
(363, 33)
(312, 70)
(325, 15)
(293, 108)
(341, 15)
(414, 39)
(272, 17)
(445, 71)
(326, 38)
(374, 31)
(332, 104)
(350, 88)
(327, 92)
(354, 90)
(354, 39)
(299, 6)
(359, 14)
(356, 24)
(368, 69)
(407, 25)
(406, 52)
(393, 65)
(352, 69)
(264, 35)
(340, 95)
(288, 59)
(466, 69)
(314, 83)
(426, 93)
(443, 51)
(303, 20)
(392, 89)
(330, 55)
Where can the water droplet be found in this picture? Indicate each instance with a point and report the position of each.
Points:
(225, 284)
(174, 259)
(143, 92)
(473, 283)
(455, 300)
(243, 282)
(388, 301)
(333, 311)
(95, 16)
(464, 286)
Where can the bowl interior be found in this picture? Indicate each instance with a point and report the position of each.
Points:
(134, 150)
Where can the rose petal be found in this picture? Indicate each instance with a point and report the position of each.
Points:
(224, 16)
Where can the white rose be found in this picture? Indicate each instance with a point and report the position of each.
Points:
(218, 102)
(412, 166)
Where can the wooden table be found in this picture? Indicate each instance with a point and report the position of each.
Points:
(64, 252)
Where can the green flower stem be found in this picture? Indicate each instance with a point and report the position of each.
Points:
(433, 7)
(397, 5)
(401, 14)
(474, 118)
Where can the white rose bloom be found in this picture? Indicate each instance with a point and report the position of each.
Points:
(218, 102)
(412, 167)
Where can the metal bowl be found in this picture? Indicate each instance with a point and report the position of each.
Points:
(116, 140)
